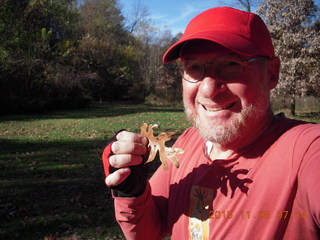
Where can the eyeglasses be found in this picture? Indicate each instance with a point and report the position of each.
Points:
(225, 67)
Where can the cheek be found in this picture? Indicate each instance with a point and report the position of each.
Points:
(255, 89)
(189, 91)
(249, 93)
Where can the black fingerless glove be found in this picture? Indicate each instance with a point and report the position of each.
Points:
(135, 184)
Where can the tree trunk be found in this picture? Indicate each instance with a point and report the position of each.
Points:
(293, 106)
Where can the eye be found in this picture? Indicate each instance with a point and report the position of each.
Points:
(192, 71)
(228, 68)
(228, 63)
(192, 67)
(232, 63)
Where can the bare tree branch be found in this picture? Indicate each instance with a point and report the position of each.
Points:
(138, 15)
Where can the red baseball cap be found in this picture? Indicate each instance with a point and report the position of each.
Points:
(242, 32)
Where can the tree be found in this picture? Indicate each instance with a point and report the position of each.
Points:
(139, 16)
(33, 34)
(248, 5)
(62, 53)
(314, 64)
(296, 39)
(156, 78)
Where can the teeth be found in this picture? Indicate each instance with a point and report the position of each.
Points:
(216, 109)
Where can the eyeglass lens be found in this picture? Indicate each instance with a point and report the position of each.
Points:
(224, 68)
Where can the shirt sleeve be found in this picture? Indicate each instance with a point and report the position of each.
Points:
(139, 217)
(309, 180)
(308, 147)
(145, 217)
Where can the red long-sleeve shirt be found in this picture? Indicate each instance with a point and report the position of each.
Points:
(271, 190)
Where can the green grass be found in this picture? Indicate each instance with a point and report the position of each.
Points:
(308, 116)
(51, 176)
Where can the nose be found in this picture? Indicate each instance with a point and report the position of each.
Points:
(210, 86)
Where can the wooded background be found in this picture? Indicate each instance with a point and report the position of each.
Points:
(68, 53)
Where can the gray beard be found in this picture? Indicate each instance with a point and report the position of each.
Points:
(225, 133)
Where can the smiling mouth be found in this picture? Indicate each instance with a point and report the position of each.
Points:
(216, 109)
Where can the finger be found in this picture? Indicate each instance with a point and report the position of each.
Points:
(117, 177)
(124, 160)
(120, 147)
(132, 137)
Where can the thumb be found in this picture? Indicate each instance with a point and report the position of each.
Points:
(117, 177)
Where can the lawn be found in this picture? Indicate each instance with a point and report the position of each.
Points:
(52, 180)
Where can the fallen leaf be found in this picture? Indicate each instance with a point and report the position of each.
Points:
(158, 144)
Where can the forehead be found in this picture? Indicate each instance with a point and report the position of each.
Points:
(198, 48)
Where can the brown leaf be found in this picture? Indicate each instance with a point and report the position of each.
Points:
(158, 144)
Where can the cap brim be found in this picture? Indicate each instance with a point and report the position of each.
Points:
(229, 40)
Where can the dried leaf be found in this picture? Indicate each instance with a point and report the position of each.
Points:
(158, 144)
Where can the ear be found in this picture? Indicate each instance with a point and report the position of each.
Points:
(274, 70)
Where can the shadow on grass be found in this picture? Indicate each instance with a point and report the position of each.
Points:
(54, 189)
(97, 110)
(312, 115)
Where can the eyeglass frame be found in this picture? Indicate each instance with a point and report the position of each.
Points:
(182, 62)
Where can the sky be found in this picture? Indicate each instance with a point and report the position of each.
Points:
(174, 15)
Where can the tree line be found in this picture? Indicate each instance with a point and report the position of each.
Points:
(67, 53)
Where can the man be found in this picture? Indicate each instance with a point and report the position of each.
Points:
(245, 173)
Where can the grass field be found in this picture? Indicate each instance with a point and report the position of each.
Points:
(52, 180)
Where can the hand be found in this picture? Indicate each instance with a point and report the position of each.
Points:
(129, 173)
